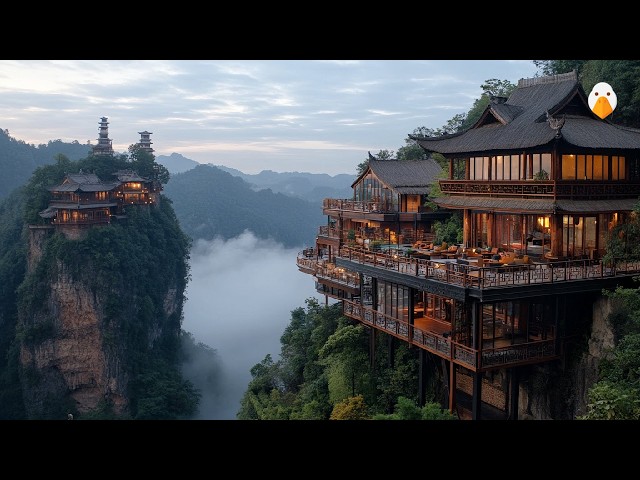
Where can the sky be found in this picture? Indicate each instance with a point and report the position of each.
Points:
(239, 302)
(316, 116)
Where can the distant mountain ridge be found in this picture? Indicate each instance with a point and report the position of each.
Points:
(19, 159)
(284, 206)
(313, 187)
(210, 202)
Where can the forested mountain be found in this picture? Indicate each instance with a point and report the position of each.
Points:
(210, 202)
(313, 187)
(92, 326)
(18, 159)
(324, 373)
(176, 163)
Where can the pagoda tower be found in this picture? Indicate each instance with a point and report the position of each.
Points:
(145, 141)
(104, 146)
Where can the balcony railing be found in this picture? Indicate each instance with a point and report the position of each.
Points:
(485, 277)
(444, 347)
(358, 206)
(325, 269)
(326, 231)
(569, 189)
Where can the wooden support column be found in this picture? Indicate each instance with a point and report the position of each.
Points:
(422, 377)
(475, 326)
(466, 228)
(555, 223)
(410, 318)
(514, 393)
(476, 396)
(452, 387)
(450, 168)
(447, 384)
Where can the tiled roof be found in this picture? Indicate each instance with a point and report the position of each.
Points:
(526, 205)
(129, 176)
(83, 182)
(521, 122)
(405, 176)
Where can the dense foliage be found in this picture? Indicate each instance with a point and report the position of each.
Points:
(324, 372)
(212, 203)
(130, 265)
(13, 262)
(19, 159)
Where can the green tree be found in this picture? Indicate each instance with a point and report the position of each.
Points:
(555, 67)
(406, 409)
(611, 401)
(144, 164)
(345, 356)
(623, 240)
(449, 230)
(351, 408)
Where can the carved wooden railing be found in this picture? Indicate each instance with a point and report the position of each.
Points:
(569, 189)
(326, 231)
(358, 206)
(447, 348)
(323, 268)
(511, 188)
(470, 276)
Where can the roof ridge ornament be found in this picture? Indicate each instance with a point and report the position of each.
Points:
(555, 123)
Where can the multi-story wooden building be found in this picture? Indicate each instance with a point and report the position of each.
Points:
(541, 181)
(83, 200)
(386, 213)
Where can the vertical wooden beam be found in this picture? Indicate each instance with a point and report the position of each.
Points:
(555, 223)
(476, 396)
(466, 228)
(422, 377)
(451, 168)
(514, 393)
(452, 387)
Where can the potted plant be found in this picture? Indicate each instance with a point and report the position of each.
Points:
(541, 175)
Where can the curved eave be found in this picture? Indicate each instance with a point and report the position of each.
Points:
(536, 205)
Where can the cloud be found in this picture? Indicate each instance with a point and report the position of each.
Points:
(239, 301)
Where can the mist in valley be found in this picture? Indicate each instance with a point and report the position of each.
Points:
(239, 301)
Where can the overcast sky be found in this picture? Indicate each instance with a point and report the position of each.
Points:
(316, 116)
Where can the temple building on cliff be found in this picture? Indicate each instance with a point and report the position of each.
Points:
(83, 200)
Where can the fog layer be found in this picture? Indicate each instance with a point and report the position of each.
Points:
(239, 301)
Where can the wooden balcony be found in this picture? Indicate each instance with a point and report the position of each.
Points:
(486, 278)
(566, 189)
(443, 346)
(325, 270)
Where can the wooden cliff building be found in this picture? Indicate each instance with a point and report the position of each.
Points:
(387, 212)
(82, 200)
(540, 181)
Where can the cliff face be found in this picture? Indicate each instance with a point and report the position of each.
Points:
(75, 362)
(94, 314)
(560, 391)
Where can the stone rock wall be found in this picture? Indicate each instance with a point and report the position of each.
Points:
(559, 390)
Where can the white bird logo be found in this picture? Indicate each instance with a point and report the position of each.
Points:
(602, 100)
